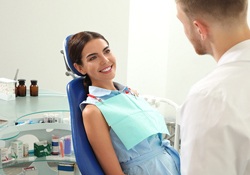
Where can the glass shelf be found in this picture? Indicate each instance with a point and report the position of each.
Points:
(46, 101)
(26, 116)
(30, 159)
(10, 132)
(22, 108)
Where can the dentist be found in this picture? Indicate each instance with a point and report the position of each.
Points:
(215, 118)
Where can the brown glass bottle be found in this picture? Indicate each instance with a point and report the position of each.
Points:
(33, 88)
(21, 89)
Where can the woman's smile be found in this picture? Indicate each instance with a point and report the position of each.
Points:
(106, 70)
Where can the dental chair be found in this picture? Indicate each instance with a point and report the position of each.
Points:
(85, 157)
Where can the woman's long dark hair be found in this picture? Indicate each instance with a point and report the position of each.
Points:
(76, 44)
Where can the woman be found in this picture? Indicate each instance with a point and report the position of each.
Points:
(123, 130)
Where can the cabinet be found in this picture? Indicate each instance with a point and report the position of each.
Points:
(29, 113)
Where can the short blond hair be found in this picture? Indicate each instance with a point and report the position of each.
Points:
(217, 9)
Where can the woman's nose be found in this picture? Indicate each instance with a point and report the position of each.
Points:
(104, 60)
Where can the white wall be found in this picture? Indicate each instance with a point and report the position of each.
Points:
(161, 60)
(32, 32)
(148, 46)
(185, 67)
(153, 54)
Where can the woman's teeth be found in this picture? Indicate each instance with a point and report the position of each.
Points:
(106, 69)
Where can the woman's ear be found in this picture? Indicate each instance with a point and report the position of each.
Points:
(80, 68)
(201, 28)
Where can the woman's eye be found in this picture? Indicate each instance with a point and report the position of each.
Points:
(107, 51)
(92, 58)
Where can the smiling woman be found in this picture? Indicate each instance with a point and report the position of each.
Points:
(121, 126)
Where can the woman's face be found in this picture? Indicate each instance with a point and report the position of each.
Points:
(98, 62)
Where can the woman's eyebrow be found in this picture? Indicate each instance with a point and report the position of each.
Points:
(92, 54)
(105, 48)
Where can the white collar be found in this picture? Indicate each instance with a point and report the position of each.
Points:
(99, 92)
(236, 53)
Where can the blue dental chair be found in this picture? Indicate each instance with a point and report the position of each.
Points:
(85, 157)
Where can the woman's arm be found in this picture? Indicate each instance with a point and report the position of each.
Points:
(98, 133)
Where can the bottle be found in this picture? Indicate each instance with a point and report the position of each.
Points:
(33, 88)
(25, 150)
(67, 146)
(21, 89)
(55, 145)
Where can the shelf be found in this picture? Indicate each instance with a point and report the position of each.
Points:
(40, 126)
(34, 118)
(10, 132)
(41, 164)
(31, 159)
(14, 110)
(3, 122)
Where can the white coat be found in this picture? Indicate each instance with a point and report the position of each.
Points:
(215, 118)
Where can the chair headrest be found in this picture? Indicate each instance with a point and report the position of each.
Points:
(67, 59)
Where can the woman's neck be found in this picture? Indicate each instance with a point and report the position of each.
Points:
(109, 86)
